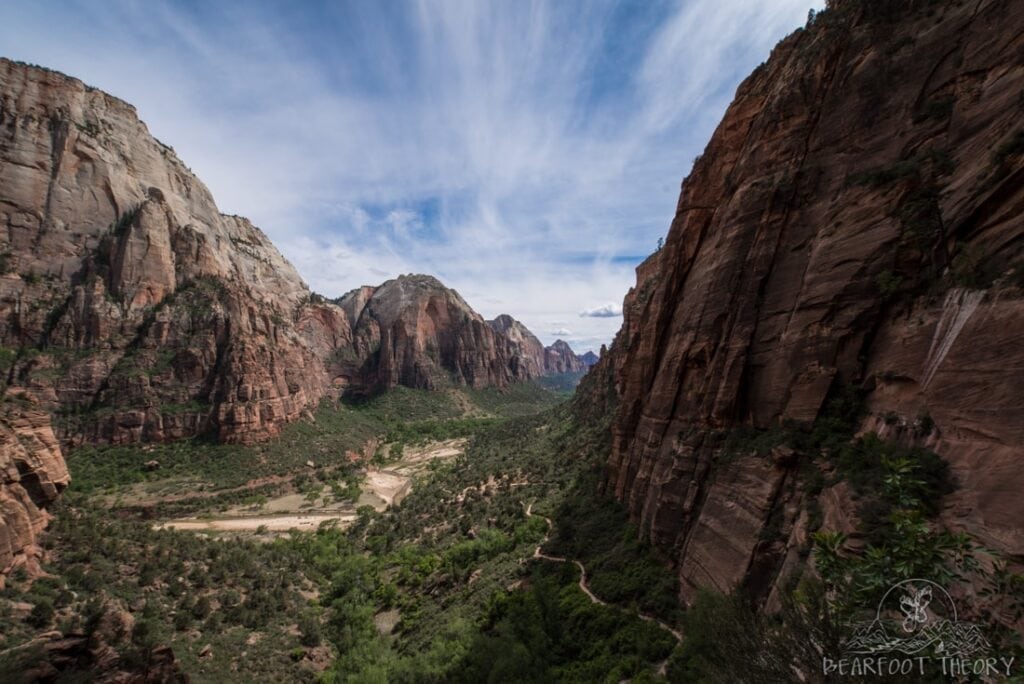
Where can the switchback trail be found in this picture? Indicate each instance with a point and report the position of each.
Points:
(663, 665)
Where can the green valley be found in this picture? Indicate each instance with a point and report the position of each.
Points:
(428, 589)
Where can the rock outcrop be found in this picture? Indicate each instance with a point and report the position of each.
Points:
(32, 475)
(103, 653)
(856, 219)
(414, 331)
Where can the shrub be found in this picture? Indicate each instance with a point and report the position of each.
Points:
(42, 613)
(888, 284)
(967, 269)
(1010, 148)
(309, 628)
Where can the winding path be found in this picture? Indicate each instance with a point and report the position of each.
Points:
(663, 665)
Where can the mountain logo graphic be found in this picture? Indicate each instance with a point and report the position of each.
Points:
(918, 617)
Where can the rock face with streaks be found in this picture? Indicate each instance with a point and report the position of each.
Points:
(159, 317)
(856, 219)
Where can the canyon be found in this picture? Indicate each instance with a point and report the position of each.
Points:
(843, 278)
(132, 310)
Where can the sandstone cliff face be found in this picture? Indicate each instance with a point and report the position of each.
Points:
(158, 316)
(32, 475)
(416, 332)
(855, 220)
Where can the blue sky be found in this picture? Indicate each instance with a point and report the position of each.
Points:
(529, 154)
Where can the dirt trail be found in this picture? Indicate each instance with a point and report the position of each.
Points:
(663, 665)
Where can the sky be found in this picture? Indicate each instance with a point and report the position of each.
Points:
(528, 154)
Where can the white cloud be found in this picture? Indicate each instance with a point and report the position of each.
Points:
(509, 148)
(606, 311)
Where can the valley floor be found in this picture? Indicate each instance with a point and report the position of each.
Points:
(395, 540)
(380, 487)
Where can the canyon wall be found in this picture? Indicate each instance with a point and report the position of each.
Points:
(156, 316)
(855, 221)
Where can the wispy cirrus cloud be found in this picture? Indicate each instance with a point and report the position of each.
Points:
(528, 153)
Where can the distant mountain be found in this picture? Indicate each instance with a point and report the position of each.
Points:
(533, 355)
(560, 358)
(589, 359)
(416, 332)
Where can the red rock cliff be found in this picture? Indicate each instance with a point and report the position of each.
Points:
(560, 358)
(158, 316)
(856, 219)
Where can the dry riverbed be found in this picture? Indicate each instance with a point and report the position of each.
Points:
(381, 488)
